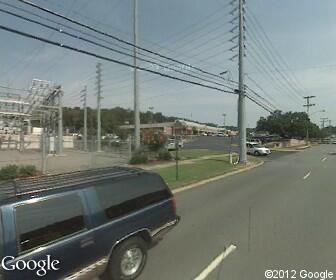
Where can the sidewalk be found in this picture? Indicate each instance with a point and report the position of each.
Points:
(173, 162)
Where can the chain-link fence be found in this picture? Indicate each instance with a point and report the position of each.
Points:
(45, 154)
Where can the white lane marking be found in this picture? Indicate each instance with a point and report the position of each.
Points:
(307, 175)
(324, 159)
(204, 274)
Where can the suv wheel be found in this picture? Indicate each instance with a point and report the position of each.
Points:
(128, 259)
(256, 153)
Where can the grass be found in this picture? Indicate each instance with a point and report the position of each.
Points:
(196, 153)
(194, 172)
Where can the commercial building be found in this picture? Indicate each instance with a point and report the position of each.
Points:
(179, 127)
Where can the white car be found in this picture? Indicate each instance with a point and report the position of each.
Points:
(254, 148)
(171, 141)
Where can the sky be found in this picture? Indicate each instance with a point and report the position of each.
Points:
(197, 32)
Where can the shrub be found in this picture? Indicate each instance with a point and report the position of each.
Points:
(164, 155)
(9, 172)
(154, 140)
(139, 158)
(13, 171)
(27, 171)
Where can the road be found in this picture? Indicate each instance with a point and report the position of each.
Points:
(280, 215)
(216, 143)
(213, 143)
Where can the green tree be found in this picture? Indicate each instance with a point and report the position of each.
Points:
(289, 125)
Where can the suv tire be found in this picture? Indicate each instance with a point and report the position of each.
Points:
(256, 153)
(128, 259)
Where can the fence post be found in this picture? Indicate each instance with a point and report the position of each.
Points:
(129, 143)
(176, 158)
(44, 154)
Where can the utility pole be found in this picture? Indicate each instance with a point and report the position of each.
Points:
(60, 121)
(241, 90)
(136, 89)
(224, 121)
(83, 99)
(308, 105)
(98, 71)
(323, 120)
(151, 109)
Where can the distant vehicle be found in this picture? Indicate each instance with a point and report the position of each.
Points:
(204, 134)
(170, 145)
(98, 222)
(254, 148)
(220, 134)
(333, 141)
(179, 141)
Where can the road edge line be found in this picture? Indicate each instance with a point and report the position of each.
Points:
(216, 178)
(216, 262)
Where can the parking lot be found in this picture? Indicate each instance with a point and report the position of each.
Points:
(225, 144)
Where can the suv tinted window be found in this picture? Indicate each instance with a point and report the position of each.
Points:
(130, 194)
(48, 220)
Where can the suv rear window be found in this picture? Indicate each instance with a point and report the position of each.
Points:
(130, 194)
(48, 220)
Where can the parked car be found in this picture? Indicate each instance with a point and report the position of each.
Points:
(170, 145)
(256, 149)
(85, 224)
(220, 134)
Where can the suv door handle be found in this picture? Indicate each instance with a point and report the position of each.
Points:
(86, 242)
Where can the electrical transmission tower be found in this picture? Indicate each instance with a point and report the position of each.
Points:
(323, 121)
(99, 86)
(308, 105)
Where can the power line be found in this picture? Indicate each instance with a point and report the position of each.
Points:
(27, 35)
(112, 36)
(272, 54)
(105, 58)
(106, 47)
(198, 25)
(284, 81)
(18, 89)
(33, 53)
(260, 61)
(261, 97)
(261, 88)
(277, 54)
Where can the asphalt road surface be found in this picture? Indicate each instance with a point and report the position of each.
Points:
(281, 215)
(224, 144)
(213, 143)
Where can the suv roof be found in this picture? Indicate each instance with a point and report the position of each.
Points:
(26, 186)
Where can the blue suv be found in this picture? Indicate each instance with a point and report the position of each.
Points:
(82, 225)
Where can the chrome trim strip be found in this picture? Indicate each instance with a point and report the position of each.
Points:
(167, 225)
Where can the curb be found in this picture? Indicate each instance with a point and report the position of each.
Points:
(294, 149)
(203, 182)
